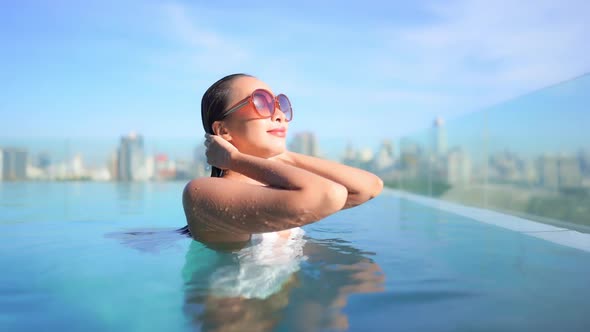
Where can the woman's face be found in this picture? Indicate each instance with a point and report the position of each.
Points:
(247, 130)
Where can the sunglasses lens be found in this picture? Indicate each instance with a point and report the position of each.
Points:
(285, 106)
(263, 102)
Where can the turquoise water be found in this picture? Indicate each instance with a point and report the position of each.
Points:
(102, 256)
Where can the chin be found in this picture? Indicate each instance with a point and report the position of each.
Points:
(273, 150)
(266, 151)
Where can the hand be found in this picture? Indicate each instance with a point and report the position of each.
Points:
(219, 151)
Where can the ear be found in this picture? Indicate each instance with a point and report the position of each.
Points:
(220, 129)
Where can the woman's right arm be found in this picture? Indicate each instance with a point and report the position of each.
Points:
(293, 196)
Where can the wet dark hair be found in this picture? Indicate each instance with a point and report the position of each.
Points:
(214, 102)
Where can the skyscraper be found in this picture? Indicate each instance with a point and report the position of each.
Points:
(384, 158)
(549, 171)
(13, 164)
(305, 143)
(458, 167)
(570, 174)
(439, 138)
(43, 160)
(130, 158)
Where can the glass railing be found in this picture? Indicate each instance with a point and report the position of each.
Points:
(529, 156)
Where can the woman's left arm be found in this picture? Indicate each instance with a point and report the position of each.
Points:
(361, 185)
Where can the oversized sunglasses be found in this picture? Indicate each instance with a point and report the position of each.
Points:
(264, 104)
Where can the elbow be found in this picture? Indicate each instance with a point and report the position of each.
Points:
(337, 196)
(327, 201)
(372, 190)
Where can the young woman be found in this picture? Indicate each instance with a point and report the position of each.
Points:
(256, 185)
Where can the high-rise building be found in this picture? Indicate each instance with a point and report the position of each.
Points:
(560, 171)
(77, 167)
(13, 164)
(458, 167)
(384, 158)
(584, 157)
(570, 174)
(349, 157)
(43, 160)
(199, 154)
(549, 171)
(113, 165)
(164, 168)
(410, 156)
(439, 138)
(305, 143)
(130, 158)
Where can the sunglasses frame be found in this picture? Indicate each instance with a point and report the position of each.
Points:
(250, 99)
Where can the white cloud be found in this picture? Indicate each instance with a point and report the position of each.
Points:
(466, 56)
(200, 48)
(494, 49)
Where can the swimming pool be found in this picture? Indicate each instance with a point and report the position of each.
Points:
(101, 256)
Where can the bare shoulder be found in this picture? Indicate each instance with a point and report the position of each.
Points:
(237, 209)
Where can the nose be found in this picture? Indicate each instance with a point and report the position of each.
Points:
(278, 115)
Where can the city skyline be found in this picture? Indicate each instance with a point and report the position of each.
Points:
(392, 161)
(551, 186)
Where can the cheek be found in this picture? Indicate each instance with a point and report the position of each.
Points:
(248, 134)
(253, 139)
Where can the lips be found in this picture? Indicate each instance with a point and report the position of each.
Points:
(281, 132)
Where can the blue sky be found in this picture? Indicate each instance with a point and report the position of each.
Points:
(361, 70)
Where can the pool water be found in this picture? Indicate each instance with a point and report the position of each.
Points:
(104, 257)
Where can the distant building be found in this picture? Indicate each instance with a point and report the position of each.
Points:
(198, 167)
(570, 174)
(185, 170)
(113, 165)
(43, 160)
(164, 168)
(410, 156)
(349, 157)
(560, 171)
(458, 167)
(548, 171)
(130, 158)
(439, 138)
(584, 156)
(365, 155)
(305, 143)
(349, 152)
(199, 154)
(13, 164)
(507, 166)
(77, 169)
(384, 158)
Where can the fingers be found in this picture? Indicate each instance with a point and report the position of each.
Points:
(207, 140)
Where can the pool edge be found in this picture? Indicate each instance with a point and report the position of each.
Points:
(562, 236)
